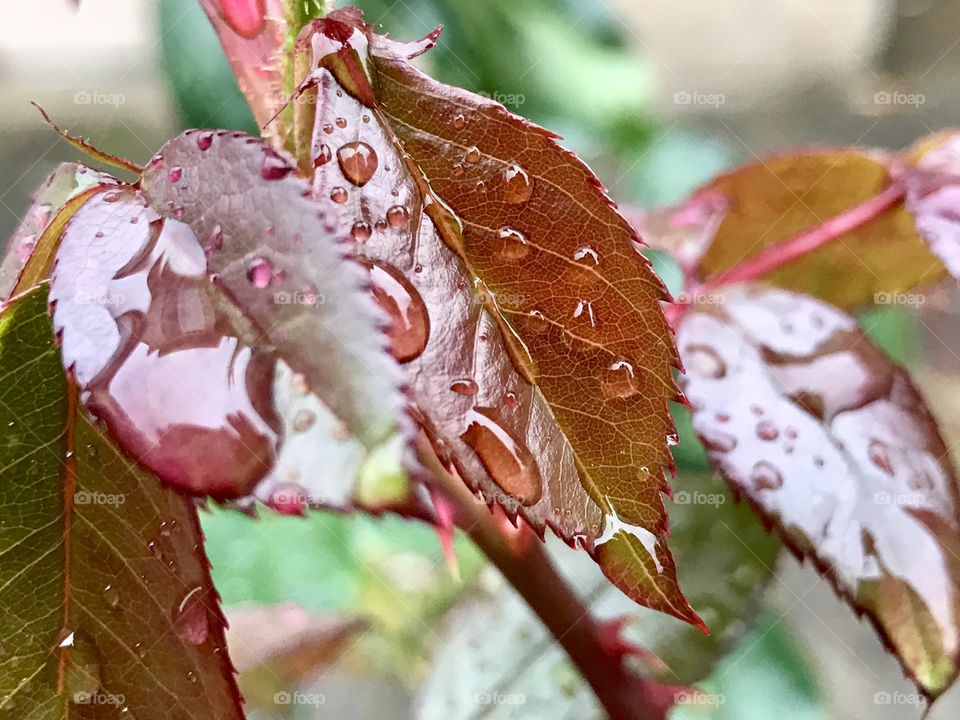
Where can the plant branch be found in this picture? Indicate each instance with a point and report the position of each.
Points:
(518, 554)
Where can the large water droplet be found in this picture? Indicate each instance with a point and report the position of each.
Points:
(466, 386)
(618, 381)
(191, 617)
(508, 462)
(358, 161)
(473, 155)
(767, 430)
(409, 321)
(397, 216)
(512, 245)
(204, 140)
(339, 195)
(83, 678)
(260, 272)
(517, 185)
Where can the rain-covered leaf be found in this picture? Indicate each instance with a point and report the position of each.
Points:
(496, 660)
(65, 182)
(834, 446)
(536, 353)
(742, 213)
(108, 610)
(216, 326)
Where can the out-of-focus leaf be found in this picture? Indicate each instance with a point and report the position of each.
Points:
(64, 183)
(496, 660)
(537, 355)
(774, 200)
(107, 604)
(834, 446)
(248, 362)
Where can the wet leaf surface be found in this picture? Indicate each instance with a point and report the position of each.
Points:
(496, 660)
(536, 353)
(215, 324)
(834, 446)
(108, 609)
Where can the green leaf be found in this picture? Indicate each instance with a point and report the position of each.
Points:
(104, 585)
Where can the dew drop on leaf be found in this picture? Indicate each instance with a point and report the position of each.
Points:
(409, 327)
(260, 272)
(323, 155)
(360, 231)
(517, 185)
(512, 244)
(704, 360)
(459, 121)
(767, 430)
(304, 420)
(358, 161)
(618, 381)
(465, 386)
(397, 216)
(536, 322)
(191, 617)
(275, 168)
(879, 456)
(587, 256)
(83, 676)
(472, 156)
(508, 462)
(339, 194)
(175, 174)
(111, 597)
(766, 476)
(204, 140)
(341, 122)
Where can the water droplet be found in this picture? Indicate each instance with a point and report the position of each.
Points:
(156, 162)
(191, 617)
(517, 186)
(339, 195)
(83, 676)
(584, 313)
(409, 321)
(508, 462)
(358, 162)
(512, 245)
(472, 156)
(360, 231)
(618, 381)
(112, 197)
(341, 122)
(175, 174)
(328, 128)
(704, 360)
(111, 597)
(204, 141)
(766, 476)
(323, 155)
(289, 499)
(260, 272)
(717, 441)
(767, 430)
(466, 386)
(459, 121)
(510, 400)
(586, 255)
(275, 167)
(879, 456)
(304, 420)
(536, 322)
(397, 216)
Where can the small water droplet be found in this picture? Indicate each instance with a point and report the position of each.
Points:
(275, 167)
(397, 216)
(472, 155)
(409, 321)
(618, 381)
(156, 162)
(717, 441)
(204, 141)
(508, 462)
(704, 360)
(175, 174)
(341, 122)
(191, 618)
(586, 255)
(880, 457)
(512, 245)
(510, 400)
(360, 231)
(537, 322)
(304, 420)
(323, 155)
(517, 186)
(466, 386)
(358, 161)
(328, 128)
(83, 676)
(111, 597)
(459, 121)
(767, 430)
(339, 195)
(766, 476)
(260, 272)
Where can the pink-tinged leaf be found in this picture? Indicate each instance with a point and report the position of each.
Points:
(833, 445)
(538, 359)
(216, 325)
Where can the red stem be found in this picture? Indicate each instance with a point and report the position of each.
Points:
(783, 253)
(518, 554)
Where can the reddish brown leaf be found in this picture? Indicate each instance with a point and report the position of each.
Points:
(832, 443)
(546, 367)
